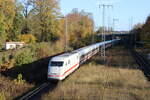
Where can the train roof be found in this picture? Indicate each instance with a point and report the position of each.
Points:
(63, 56)
(67, 54)
(83, 50)
(86, 49)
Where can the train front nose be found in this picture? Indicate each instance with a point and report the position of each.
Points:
(54, 70)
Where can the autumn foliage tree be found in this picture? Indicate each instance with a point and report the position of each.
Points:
(7, 15)
(44, 19)
(27, 38)
(142, 32)
(80, 26)
(39, 21)
(17, 24)
(146, 30)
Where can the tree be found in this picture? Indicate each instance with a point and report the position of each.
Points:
(27, 38)
(80, 25)
(17, 22)
(143, 32)
(27, 7)
(100, 30)
(146, 30)
(7, 14)
(137, 31)
(44, 19)
(2, 26)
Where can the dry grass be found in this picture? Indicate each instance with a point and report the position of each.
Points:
(94, 81)
(9, 89)
(102, 83)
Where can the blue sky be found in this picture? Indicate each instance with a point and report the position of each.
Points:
(124, 10)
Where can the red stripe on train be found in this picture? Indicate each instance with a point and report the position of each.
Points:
(65, 72)
(71, 68)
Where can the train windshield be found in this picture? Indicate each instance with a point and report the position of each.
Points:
(57, 63)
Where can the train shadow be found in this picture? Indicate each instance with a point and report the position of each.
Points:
(35, 72)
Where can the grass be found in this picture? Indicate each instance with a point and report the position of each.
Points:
(102, 83)
(10, 89)
(93, 81)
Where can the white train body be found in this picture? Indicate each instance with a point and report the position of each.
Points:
(61, 66)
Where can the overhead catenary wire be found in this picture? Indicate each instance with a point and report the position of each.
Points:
(104, 8)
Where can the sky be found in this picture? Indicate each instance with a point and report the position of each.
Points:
(126, 11)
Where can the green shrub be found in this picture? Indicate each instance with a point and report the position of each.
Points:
(19, 79)
(24, 56)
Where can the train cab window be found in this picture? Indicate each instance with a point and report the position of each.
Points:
(57, 63)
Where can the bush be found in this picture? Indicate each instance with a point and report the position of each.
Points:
(27, 38)
(19, 79)
(23, 57)
(45, 49)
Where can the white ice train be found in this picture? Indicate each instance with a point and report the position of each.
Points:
(62, 65)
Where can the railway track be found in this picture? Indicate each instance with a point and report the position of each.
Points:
(37, 92)
(142, 62)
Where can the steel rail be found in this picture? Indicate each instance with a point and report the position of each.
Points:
(34, 92)
(142, 62)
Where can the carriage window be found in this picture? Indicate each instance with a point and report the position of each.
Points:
(57, 63)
